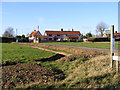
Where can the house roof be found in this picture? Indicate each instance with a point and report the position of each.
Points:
(63, 32)
(34, 33)
(117, 34)
(114, 34)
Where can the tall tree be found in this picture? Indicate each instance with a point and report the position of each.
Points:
(9, 32)
(101, 28)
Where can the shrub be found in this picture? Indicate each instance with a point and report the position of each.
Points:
(98, 39)
(7, 39)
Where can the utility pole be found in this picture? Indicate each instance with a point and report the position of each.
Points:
(38, 28)
(16, 31)
(16, 35)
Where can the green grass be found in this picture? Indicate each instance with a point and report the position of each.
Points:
(63, 67)
(83, 44)
(20, 53)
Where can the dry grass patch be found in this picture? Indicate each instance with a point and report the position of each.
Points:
(94, 73)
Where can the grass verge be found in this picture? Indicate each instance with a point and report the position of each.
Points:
(20, 53)
(87, 44)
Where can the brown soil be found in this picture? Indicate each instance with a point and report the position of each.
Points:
(28, 74)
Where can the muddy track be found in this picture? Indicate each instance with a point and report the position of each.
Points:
(53, 58)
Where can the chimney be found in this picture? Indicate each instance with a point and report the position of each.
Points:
(61, 29)
(115, 31)
(72, 29)
(34, 30)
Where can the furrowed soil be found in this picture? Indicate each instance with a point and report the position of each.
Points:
(24, 75)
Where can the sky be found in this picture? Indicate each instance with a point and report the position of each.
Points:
(80, 16)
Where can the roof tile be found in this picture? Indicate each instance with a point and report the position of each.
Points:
(63, 32)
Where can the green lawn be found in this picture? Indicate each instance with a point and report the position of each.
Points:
(91, 45)
(20, 53)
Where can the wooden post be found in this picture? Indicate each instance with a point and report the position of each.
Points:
(112, 45)
(117, 66)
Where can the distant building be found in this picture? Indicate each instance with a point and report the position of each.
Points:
(106, 35)
(35, 36)
(62, 35)
(116, 35)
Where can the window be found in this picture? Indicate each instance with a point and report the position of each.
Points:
(50, 34)
(58, 34)
(50, 38)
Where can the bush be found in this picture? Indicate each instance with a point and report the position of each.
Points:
(7, 39)
(92, 39)
(98, 39)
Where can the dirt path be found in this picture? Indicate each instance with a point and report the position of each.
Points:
(63, 53)
(85, 48)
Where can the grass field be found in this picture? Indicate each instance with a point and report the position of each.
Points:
(20, 53)
(105, 45)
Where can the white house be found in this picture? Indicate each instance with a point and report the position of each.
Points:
(62, 35)
(35, 36)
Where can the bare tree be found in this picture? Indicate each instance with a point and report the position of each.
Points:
(9, 32)
(101, 28)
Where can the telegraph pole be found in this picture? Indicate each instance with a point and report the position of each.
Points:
(38, 28)
(16, 31)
